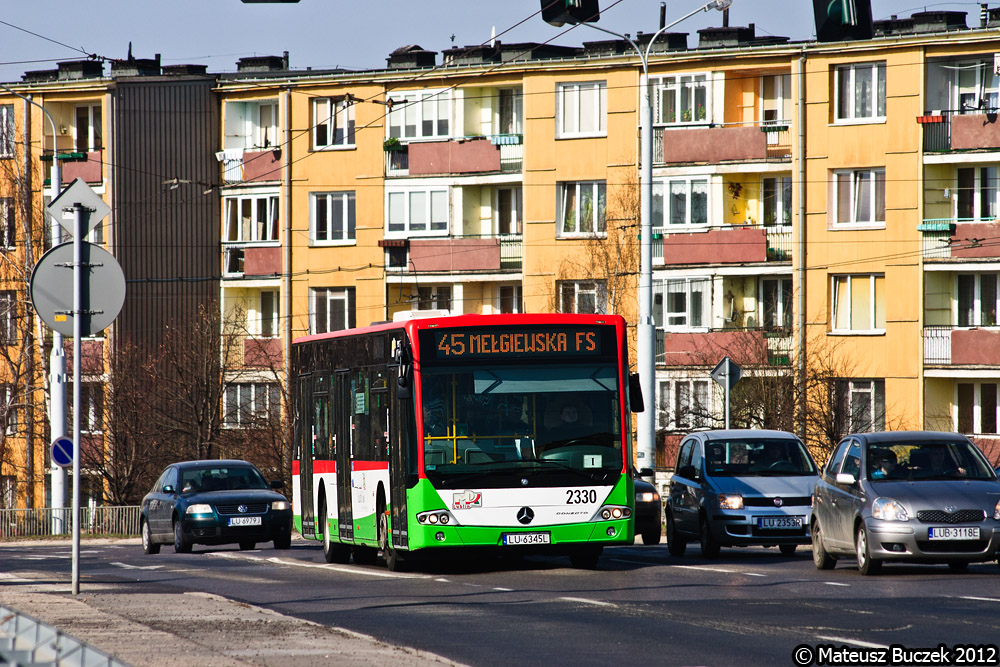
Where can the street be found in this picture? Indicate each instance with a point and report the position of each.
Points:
(642, 606)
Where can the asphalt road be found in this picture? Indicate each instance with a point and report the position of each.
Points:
(641, 606)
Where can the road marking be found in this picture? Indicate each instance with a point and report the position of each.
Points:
(705, 568)
(505, 590)
(135, 567)
(979, 599)
(753, 574)
(835, 583)
(853, 642)
(324, 566)
(443, 580)
(598, 603)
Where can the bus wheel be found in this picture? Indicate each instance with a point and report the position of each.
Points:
(585, 558)
(333, 552)
(393, 559)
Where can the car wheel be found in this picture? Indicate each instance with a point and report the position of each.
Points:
(148, 545)
(821, 558)
(866, 564)
(181, 544)
(959, 565)
(284, 540)
(652, 535)
(675, 545)
(787, 549)
(332, 551)
(247, 545)
(709, 547)
(585, 558)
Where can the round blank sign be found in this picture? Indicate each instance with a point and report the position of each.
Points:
(102, 289)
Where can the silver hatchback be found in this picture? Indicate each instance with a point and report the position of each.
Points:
(906, 496)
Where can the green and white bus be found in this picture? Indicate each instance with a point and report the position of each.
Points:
(459, 432)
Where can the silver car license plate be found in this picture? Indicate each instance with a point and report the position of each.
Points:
(526, 538)
(779, 522)
(244, 521)
(953, 533)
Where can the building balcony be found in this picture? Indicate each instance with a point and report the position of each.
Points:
(87, 166)
(243, 166)
(961, 346)
(960, 131)
(960, 239)
(730, 142)
(732, 244)
(454, 254)
(750, 346)
(252, 352)
(499, 153)
(243, 260)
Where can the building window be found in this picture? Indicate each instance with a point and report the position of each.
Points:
(858, 304)
(8, 317)
(976, 87)
(686, 202)
(251, 125)
(333, 122)
(6, 130)
(977, 407)
(92, 402)
(509, 299)
(587, 297)
(89, 128)
(8, 491)
(508, 210)
(776, 301)
(510, 114)
(581, 109)
(433, 297)
(977, 195)
(333, 217)
(582, 208)
(248, 404)
(8, 408)
(859, 197)
(419, 115)
(685, 404)
(977, 300)
(861, 92)
(859, 405)
(8, 223)
(267, 319)
(776, 201)
(419, 212)
(682, 303)
(251, 218)
(681, 100)
(331, 309)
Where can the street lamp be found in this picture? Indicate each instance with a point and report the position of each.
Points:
(57, 357)
(645, 331)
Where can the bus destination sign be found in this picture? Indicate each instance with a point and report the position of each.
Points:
(479, 343)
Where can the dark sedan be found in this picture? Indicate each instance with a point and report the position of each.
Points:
(648, 510)
(214, 502)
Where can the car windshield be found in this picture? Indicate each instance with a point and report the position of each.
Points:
(553, 421)
(221, 478)
(757, 456)
(915, 461)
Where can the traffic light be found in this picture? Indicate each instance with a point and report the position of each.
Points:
(559, 12)
(842, 20)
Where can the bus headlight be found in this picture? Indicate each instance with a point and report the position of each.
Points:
(436, 517)
(612, 513)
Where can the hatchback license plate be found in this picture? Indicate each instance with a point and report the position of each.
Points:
(952, 533)
(779, 522)
(510, 539)
(244, 521)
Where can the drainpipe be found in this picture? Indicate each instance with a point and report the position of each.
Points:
(800, 254)
(286, 302)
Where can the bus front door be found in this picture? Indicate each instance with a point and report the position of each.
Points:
(303, 449)
(344, 433)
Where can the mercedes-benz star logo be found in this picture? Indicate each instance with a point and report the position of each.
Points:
(525, 515)
(242, 509)
(777, 502)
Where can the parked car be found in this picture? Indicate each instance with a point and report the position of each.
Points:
(647, 509)
(740, 488)
(214, 502)
(916, 496)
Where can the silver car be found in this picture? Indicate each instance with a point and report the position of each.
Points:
(740, 488)
(914, 496)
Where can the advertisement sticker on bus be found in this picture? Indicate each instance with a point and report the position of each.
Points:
(467, 500)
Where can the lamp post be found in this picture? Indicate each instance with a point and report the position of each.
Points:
(645, 330)
(57, 356)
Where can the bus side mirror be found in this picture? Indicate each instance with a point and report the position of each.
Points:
(403, 383)
(635, 393)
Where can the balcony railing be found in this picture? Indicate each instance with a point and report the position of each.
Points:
(778, 239)
(232, 259)
(962, 346)
(723, 142)
(774, 346)
(456, 254)
(957, 130)
(960, 238)
(510, 147)
(937, 345)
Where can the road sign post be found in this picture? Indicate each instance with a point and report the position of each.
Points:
(727, 374)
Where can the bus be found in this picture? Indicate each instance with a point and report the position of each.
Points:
(507, 433)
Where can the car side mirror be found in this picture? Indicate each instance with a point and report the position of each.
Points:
(846, 478)
(169, 488)
(688, 472)
(646, 472)
(277, 484)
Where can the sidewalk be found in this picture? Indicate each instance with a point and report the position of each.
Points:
(167, 630)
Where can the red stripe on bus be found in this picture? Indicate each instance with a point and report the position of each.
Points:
(358, 466)
(319, 466)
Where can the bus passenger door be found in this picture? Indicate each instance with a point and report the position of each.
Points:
(343, 410)
(303, 450)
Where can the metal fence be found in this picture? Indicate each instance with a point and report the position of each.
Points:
(46, 521)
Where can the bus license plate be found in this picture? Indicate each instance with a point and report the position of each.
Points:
(244, 521)
(952, 533)
(510, 539)
(779, 522)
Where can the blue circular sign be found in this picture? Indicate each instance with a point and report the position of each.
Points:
(62, 451)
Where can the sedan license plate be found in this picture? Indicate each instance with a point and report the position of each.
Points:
(244, 521)
(510, 539)
(953, 533)
(779, 522)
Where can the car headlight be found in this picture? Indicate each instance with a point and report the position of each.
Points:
(996, 511)
(889, 509)
(200, 508)
(730, 501)
(647, 497)
(279, 505)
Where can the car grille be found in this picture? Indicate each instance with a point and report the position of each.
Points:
(952, 546)
(252, 508)
(793, 501)
(958, 516)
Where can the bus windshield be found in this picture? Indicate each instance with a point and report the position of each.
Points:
(557, 423)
